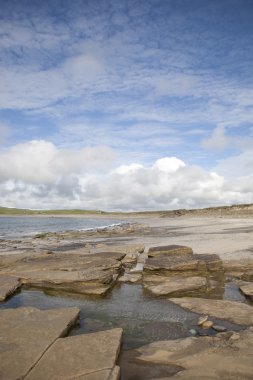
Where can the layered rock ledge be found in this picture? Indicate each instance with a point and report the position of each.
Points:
(169, 250)
(85, 274)
(176, 270)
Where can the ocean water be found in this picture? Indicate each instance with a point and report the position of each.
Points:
(25, 226)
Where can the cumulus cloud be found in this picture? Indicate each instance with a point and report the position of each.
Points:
(37, 174)
(168, 164)
(41, 162)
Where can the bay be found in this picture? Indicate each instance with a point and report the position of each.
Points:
(25, 226)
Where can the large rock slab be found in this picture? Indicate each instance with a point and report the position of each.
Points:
(159, 285)
(169, 250)
(184, 274)
(8, 286)
(26, 333)
(88, 356)
(247, 290)
(232, 311)
(182, 263)
(241, 269)
(227, 356)
(86, 274)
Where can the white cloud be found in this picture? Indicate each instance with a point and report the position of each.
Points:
(218, 139)
(37, 174)
(41, 162)
(176, 84)
(240, 165)
(168, 164)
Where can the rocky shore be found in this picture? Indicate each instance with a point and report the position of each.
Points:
(186, 261)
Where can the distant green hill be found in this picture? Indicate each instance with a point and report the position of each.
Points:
(18, 211)
(243, 209)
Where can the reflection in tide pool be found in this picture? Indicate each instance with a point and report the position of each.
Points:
(144, 318)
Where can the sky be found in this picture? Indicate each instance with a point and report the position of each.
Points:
(126, 105)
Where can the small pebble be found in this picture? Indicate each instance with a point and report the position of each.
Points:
(207, 325)
(219, 328)
(193, 332)
(202, 320)
(235, 336)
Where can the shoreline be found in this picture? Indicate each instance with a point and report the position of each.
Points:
(229, 237)
(107, 276)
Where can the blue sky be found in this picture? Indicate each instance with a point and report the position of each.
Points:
(129, 83)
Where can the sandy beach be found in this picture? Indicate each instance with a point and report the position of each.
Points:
(230, 238)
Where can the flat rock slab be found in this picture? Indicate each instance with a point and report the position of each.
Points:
(101, 375)
(88, 356)
(232, 311)
(247, 289)
(85, 274)
(26, 333)
(8, 286)
(227, 356)
(177, 263)
(169, 250)
(159, 285)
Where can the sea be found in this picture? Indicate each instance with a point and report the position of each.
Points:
(14, 227)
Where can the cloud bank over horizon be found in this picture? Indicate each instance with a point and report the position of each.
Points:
(41, 176)
(126, 104)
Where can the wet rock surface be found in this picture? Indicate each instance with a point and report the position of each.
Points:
(159, 285)
(8, 286)
(235, 312)
(227, 356)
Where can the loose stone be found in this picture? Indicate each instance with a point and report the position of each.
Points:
(202, 320)
(207, 325)
(219, 328)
